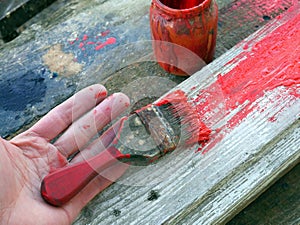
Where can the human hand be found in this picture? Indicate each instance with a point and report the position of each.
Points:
(29, 157)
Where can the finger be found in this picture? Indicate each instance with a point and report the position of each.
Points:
(59, 118)
(82, 130)
(99, 144)
(95, 187)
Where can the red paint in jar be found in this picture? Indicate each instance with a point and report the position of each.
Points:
(189, 24)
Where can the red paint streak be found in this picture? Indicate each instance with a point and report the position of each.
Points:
(109, 41)
(246, 46)
(101, 94)
(272, 62)
(81, 45)
(85, 37)
(105, 33)
(84, 42)
(194, 129)
(108, 109)
(61, 161)
(86, 127)
(272, 119)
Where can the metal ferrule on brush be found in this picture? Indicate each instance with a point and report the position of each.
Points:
(148, 134)
(159, 128)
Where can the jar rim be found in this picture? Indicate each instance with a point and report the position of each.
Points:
(180, 12)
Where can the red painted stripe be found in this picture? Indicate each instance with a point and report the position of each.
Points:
(271, 63)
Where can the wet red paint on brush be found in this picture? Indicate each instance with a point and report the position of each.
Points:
(271, 63)
(196, 130)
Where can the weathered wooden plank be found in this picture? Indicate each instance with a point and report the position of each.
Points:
(22, 58)
(245, 182)
(60, 24)
(246, 17)
(278, 205)
(14, 13)
(241, 162)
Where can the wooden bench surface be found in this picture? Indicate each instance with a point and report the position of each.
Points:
(184, 186)
(256, 140)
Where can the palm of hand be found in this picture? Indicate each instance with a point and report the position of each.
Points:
(30, 156)
(23, 165)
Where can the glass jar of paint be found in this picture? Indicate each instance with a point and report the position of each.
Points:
(183, 34)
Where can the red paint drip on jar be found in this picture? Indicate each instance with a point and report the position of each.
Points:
(190, 24)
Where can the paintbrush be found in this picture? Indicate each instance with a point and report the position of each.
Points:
(141, 138)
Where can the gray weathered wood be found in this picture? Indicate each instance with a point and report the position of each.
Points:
(128, 20)
(278, 205)
(210, 188)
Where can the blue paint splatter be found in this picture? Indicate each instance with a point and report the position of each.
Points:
(17, 94)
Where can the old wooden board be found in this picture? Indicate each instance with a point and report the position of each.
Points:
(31, 85)
(278, 205)
(254, 144)
(29, 88)
(14, 13)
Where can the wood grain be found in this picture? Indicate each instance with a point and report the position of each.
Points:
(164, 192)
(210, 188)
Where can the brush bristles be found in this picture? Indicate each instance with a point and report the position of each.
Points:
(183, 117)
(188, 122)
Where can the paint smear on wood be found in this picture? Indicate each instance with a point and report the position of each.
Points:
(60, 62)
(271, 63)
(93, 40)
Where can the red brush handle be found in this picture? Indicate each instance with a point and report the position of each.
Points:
(62, 185)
